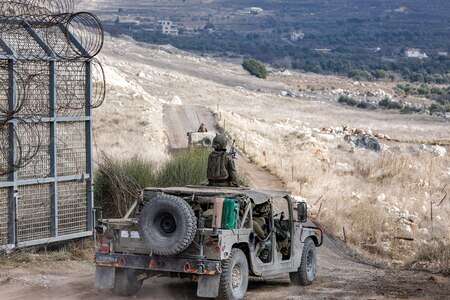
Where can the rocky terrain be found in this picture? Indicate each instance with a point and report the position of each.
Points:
(376, 178)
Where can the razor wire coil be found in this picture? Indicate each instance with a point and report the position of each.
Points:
(33, 33)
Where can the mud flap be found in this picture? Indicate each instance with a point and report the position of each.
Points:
(208, 286)
(104, 277)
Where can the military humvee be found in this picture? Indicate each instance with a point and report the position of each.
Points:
(213, 235)
(200, 139)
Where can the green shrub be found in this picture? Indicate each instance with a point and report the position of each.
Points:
(423, 90)
(344, 99)
(379, 74)
(390, 104)
(409, 109)
(360, 75)
(405, 88)
(437, 91)
(254, 67)
(438, 108)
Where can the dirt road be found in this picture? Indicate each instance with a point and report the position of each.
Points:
(340, 276)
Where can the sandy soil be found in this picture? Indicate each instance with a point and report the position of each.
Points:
(340, 275)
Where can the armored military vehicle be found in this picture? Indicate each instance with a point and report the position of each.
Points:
(218, 237)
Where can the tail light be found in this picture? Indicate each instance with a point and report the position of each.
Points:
(104, 244)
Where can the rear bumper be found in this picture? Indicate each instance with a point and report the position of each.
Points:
(158, 263)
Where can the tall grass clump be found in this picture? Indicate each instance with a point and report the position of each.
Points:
(186, 168)
(118, 183)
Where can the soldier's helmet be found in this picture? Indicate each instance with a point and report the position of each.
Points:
(219, 142)
(263, 209)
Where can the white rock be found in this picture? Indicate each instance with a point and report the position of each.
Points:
(344, 168)
(439, 151)
(176, 101)
(326, 137)
(381, 197)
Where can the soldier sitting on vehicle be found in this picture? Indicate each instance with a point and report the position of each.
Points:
(282, 234)
(221, 168)
(261, 213)
(202, 128)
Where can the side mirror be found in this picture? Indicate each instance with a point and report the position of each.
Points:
(302, 212)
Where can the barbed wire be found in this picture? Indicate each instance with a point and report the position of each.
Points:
(36, 32)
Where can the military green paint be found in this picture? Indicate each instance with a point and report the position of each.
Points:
(230, 213)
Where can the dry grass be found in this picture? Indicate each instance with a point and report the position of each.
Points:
(388, 203)
(81, 250)
(434, 256)
(278, 133)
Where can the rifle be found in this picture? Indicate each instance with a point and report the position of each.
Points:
(233, 150)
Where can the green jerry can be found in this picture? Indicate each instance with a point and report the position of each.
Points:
(230, 213)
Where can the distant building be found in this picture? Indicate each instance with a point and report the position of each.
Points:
(256, 10)
(297, 35)
(322, 50)
(415, 53)
(168, 27)
(127, 21)
(401, 9)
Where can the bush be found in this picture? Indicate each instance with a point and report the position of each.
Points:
(438, 108)
(406, 88)
(344, 99)
(408, 109)
(360, 75)
(423, 90)
(118, 183)
(379, 74)
(390, 104)
(254, 67)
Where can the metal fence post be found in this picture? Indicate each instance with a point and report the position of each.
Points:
(53, 149)
(13, 198)
(89, 147)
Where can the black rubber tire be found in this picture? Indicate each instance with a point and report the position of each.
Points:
(206, 142)
(226, 290)
(167, 224)
(126, 283)
(305, 275)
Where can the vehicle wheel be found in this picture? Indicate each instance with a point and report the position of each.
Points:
(307, 271)
(126, 282)
(234, 277)
(167, 224)
(207, 142)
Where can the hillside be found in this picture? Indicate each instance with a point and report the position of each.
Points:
(309, 141)
(344, 37)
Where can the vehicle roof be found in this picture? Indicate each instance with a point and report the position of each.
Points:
(257, 196)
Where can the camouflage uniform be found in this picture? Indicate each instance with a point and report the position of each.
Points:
(202, 128)
(221, 168)
(282, 236)
(259, 220)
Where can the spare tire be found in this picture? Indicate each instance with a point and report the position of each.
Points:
(167, 224)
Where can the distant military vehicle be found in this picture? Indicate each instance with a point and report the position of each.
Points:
(208, 234)
(200, 139)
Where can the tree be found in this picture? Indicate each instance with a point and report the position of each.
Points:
(255, 67)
